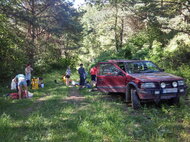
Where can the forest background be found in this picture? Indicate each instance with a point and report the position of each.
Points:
(52, 34)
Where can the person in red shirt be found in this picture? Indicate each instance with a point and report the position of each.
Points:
(93, 72)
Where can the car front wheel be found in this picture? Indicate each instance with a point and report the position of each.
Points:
(135, 99)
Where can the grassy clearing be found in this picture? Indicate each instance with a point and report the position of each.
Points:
(54, 115)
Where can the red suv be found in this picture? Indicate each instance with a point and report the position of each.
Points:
(141, 81)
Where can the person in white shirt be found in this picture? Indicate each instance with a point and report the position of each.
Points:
(21, 81)
(68, 74)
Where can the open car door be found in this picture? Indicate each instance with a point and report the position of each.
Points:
(110, 78)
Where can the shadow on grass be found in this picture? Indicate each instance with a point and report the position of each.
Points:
(95, 118)
(120, 97)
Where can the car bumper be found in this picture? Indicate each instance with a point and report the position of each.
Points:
(160, 94)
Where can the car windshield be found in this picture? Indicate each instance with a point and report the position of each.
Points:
(141, 67)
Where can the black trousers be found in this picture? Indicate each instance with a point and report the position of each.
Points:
(82, 81)
(28, 82)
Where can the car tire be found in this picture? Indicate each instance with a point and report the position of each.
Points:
(135, 99)
(175, 101)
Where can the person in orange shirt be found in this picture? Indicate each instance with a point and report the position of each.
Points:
(93, 73)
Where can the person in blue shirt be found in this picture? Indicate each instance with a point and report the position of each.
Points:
(21, 82)
(82, 75)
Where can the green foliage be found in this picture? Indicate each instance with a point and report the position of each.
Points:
(37, 32)
(157, 23)
(63, 63)
(12, 54)
(59, 64)
(183, 71)
(179, 57)
(137, 47)
(104, 56)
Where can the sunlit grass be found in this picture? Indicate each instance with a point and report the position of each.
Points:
(50, 116)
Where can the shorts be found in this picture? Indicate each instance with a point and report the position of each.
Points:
(93, 77)
(22, 83)
(67, 76)
(28, 76)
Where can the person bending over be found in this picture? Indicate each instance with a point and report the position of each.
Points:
(21, 81)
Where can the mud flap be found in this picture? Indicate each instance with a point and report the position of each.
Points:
(127, 97)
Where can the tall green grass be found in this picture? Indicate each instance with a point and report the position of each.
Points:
(49, 116)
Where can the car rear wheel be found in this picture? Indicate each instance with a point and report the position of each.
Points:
(135, 99)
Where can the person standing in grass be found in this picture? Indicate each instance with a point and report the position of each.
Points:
(21, 81)
(93, 72)
(28, 71)
(82, 75)
(68, 74)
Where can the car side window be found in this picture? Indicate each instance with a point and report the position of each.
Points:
(108, 70)
(122, 66)
(141, 67)
(133, 67)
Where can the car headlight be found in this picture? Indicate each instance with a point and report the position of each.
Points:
(163, 85)
(181, 82)
(174, 84)
(148, 85)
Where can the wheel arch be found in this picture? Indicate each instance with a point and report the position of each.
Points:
(130, 85)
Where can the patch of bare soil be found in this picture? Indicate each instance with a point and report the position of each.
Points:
(34, 106)
(112, 97)
(74, 95)
(41, 99)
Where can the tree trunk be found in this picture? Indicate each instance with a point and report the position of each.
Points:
(121, 33)
(115, 28)
(33, 31)
(161, 2)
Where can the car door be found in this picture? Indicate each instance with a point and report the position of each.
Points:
(110, 78)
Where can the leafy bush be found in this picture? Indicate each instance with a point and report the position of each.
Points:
(138, 46)
(60, 64)
(12, 53)
(63, 63)
(183, 71)
(179, 57)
